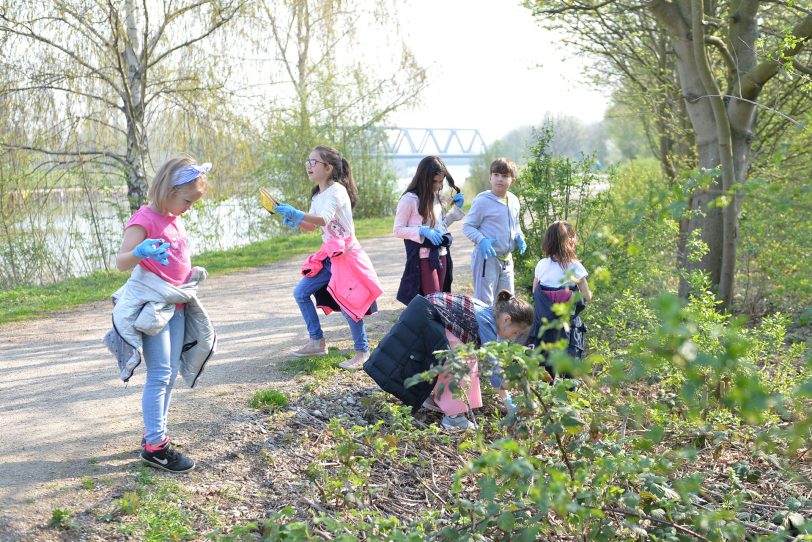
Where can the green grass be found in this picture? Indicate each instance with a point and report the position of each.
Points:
(271, 399)
(318, 366)
(155, 510)
(28, 302)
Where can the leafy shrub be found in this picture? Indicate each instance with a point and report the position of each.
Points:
(552, 188)
(61, 518)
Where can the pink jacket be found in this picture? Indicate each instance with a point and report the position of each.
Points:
(354, 284)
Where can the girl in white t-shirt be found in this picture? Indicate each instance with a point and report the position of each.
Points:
(332, 200)
(561, 267)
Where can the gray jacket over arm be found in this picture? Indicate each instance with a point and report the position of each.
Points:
(144, 305)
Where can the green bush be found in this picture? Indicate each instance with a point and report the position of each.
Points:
(553, 188)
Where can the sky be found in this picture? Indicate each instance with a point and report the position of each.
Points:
(490, 67)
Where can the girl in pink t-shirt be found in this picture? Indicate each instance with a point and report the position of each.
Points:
(155, 239)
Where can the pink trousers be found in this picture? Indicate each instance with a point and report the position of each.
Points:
(470, 384)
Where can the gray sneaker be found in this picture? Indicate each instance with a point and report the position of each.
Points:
(457, 422)
(430, 404)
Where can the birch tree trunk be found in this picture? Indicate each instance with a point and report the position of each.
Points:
(134, 111)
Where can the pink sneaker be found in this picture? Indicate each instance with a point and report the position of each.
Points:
(312, 348)
(357, 362)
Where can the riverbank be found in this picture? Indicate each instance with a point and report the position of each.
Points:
(29, 302)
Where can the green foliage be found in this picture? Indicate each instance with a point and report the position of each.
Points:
(319, 366)
(155, 510)
(552, 188)
(571, 139)
(772, 275)
(62, 518)
(626, 132)
(87, 483)
(609, 453)
(269, 399)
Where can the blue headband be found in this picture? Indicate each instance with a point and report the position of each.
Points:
(189, 173)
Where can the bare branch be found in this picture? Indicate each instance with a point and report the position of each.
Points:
(720, 45)
(754, 80)
(87, 153)
(803, 68)
(578, 6)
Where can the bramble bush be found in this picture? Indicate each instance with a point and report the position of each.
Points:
(681, 423)
(613, 453)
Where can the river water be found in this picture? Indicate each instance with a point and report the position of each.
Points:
(63, 234)
(48, 236)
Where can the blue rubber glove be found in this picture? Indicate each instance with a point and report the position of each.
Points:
(156, 249)
(431, 234)
(520, 242)
(486, 246)
(289, 223)
(458, 200)
(290, 212)
(496, 377)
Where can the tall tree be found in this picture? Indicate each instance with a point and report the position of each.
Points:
(750, 46)
(341, 70)
(98, 72)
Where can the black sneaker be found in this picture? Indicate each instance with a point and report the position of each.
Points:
(167, 458)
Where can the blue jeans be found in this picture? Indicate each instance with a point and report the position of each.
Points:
(162, 357)
(303, 292)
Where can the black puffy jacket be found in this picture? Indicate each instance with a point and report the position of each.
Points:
(408, 349)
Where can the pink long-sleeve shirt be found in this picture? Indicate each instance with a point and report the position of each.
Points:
(408, 220)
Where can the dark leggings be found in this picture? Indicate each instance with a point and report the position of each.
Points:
(432, 280)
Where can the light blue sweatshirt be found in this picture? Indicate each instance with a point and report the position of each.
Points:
(492, 219)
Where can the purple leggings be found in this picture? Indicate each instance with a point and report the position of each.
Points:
(432, 280)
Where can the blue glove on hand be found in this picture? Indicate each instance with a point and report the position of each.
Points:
(289, 223)
(156, 249)
(431, 234)
(458, 200)
(290, 212)
(520, 242)
(496, 377)
(486, 246)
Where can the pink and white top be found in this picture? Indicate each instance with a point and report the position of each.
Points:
(335, 208)
(170, 229)
(408, 220)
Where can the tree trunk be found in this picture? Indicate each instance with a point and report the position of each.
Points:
(134, 112)
(724, 148)
(707, 220)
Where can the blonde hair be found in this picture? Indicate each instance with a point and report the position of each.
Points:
(161, 188)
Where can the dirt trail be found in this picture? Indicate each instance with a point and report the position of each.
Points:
(65, 414)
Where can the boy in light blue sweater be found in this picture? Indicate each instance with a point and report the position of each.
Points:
(494, 225)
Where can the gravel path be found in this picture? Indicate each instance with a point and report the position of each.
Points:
(65, 414)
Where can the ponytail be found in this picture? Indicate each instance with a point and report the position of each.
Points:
(342, 172)
(519, 310)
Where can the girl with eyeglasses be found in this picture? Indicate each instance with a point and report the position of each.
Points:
(422, 220)
(340, 275)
